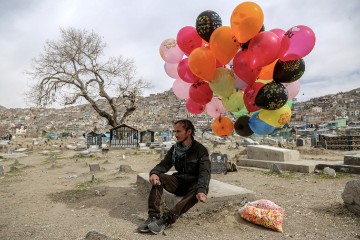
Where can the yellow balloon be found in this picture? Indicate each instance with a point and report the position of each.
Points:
(276, 117)
(260, 80)
(246, 21)
(224, 44)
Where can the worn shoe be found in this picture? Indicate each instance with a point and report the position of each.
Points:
(143, 228)
(159, 226)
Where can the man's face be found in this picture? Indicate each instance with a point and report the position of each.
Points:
(181, 134)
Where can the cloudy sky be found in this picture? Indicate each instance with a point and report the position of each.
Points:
(135, 29)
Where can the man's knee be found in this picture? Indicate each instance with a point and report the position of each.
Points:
(162, 175)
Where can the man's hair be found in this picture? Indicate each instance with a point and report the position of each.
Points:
(187, 124)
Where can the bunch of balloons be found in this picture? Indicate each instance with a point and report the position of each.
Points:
(242, 69)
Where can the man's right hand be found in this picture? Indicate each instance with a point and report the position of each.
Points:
(154, 179)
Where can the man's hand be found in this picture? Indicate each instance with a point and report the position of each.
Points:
(201, 197)
(154, 179)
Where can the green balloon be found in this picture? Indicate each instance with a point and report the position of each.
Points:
(235, 102)
(242, 112)
(223, 83)
(289, 103)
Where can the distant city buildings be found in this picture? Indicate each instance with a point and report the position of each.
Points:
(157, 113)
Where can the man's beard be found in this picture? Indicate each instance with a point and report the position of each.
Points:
(182, 141)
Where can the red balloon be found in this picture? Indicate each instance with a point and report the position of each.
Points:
(250, 93)
(265, 47)
(185, 73)
(194, 107)
(279, 32)
(244, 66)
(188, 39)
(201, 92)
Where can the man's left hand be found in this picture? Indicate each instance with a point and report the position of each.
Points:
(201, 197)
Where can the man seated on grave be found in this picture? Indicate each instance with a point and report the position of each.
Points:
(191, 179)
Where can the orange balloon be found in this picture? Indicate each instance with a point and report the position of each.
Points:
(267, 71)
(202, 63)
(222, 126)
(224, 44)
(246, 21)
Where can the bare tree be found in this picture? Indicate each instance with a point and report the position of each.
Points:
(73, 68)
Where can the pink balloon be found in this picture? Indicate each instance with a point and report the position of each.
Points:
(215, 108)
(200, 92)
(170, 51)
(279, 32)
(265, 47)
(188, 39)
(185, 73)
(171, 70)
(297, 42)
(194, 107)
(181, 89)
(244, 66)
(293, 89)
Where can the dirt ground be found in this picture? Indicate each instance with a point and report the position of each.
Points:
(51, 194)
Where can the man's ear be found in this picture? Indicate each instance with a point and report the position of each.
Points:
(189, 131)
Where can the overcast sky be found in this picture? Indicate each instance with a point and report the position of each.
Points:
(135, 29)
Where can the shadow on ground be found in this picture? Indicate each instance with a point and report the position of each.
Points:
(122, 202)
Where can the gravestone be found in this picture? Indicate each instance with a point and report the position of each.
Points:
(125, 169)
(218, 163)
(1, 170)
(94, 167)
(351, 196)
(352, 160)
(299, 142)
(270, 153)
(275, 169)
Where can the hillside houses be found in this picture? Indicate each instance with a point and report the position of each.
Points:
(157, 112)
(327, 108)
(18, 129)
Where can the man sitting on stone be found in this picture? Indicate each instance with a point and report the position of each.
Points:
(192, 163)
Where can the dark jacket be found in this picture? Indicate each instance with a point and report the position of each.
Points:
(194, 167)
